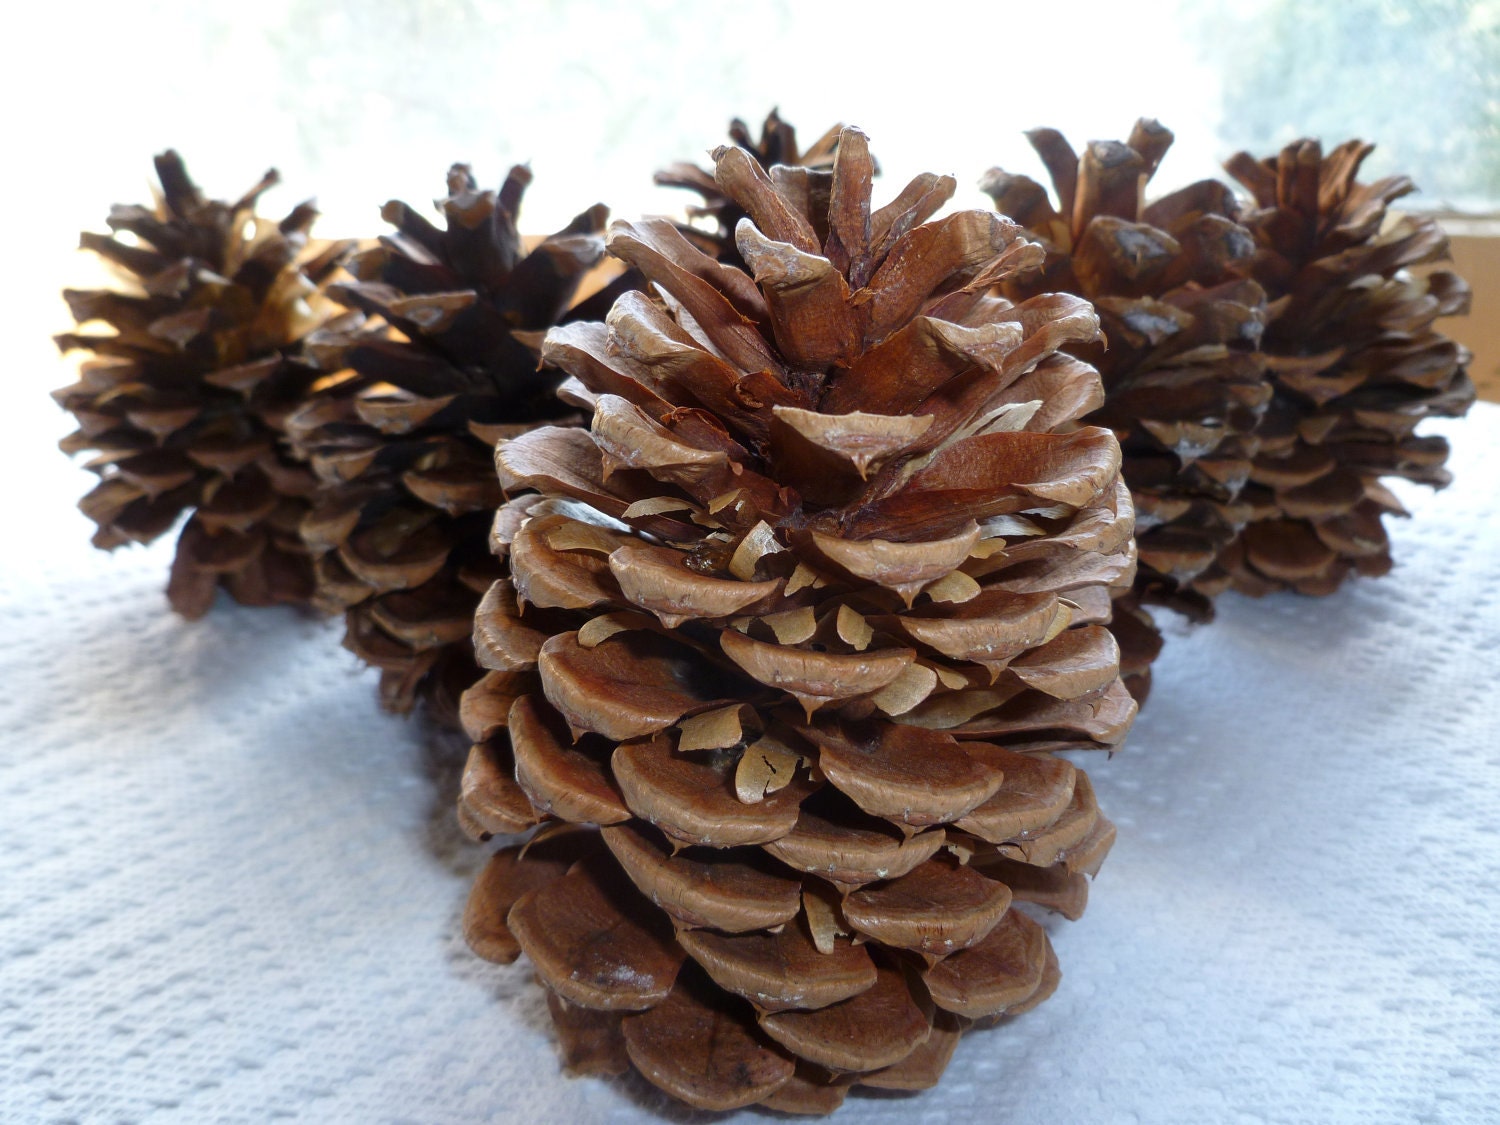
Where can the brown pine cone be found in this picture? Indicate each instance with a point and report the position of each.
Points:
(1355, 362)
(809, 612)
(434, 361)
(184, 399)
(1184, 388)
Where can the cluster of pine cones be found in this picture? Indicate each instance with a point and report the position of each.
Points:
(771, 560)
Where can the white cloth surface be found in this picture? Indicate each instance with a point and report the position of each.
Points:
(230, 888)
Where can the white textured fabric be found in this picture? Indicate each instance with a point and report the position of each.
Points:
(230, 889)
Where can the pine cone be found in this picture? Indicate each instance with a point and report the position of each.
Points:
(185, 399)
(1184, 388)
(1355, 363)
(434, 361)
(808, 613)
(777, 145)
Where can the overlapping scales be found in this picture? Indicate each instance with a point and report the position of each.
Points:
(1184, 385)
(1355, 361)
(717, 216)
(792, 637)
(434, 361)
(182, 405)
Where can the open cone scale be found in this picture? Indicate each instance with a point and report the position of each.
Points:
(792, 637)
(717, 216)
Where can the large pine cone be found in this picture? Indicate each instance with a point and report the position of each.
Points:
(1184, 389)
(184, 401)
(777, 145)
(808, 614)
(433, 363)
(1355, 362)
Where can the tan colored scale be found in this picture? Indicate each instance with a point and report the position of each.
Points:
(714, 218)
